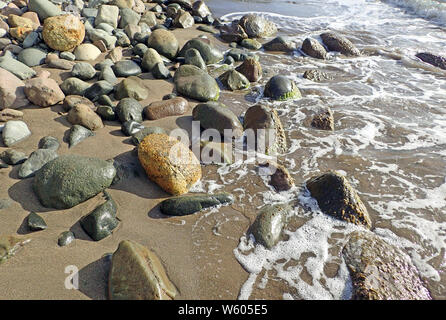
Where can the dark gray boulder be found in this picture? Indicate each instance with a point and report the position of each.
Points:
(184, 205)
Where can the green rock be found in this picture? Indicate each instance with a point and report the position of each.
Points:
(131, 87)
(106, 113)
(83, 71)
(138, 136)
(251, 44)
(193, 57)
(36, 222)
(281, 88)
(71, 179)
(32, 57)
(100, 223)
(164, 42)
(217, 72)
(185, 205)
(36, 160)
(74, 86)
(194, 83)
(126, 68)
(9, 246)
(78, 134)
(49, 143)
(129, 109)
(160, 71)
(65, 238)
(234, 80)
(150, 59)
(98, 89)
(209, 54)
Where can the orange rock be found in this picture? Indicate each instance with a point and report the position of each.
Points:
(64, 32)
(20, 33)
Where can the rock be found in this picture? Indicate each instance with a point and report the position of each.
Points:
(108, 75)
(234, 80)
(160, 71)
(131, 87)
(209, 54)
(169, 163)
(36, 160)
(185, 205)
(150, 59)
(49, 143)
(316, 75)
(267, 129)
(140, 49)
(139, 135)
(432, 59)
(30, 40)
(257, 27)
(149, 18)
(130, 127)
(336, 42)
(97, 35)
(251, 69)
(251, 44)
(10, 245)
(214, 115)
(166, 108)
(281, 88)
(13, 157)
(98, 89)
(3, 165)
(313, 48)
(44, 8)
(193, 57)
(32, 57)
(107, 14)
(336, 197)
(115, 55)
(207, 29)
(61, 64)
(136, 273)
(65, 238)
(194, 83)
(269, 223)
(183, 20)
(72, 100)
(5, 204)
(43, 92)
(129, 109)
(164, 42)
(232, 33)
(78, 134)
(323, 120)
(87, 51)
(280, 178)
(63, 33)
(12, 94)
(71, 179)
(100, 223)
(36, 222)
(74, 86)
(83, 71)
(238, 54)
(106, 113)
(19, 69)
(14, 132)
(10, 114)
(280, 44)
(200, 9)
(380, 271)
(20, 33)
(128, 16)
(83, 115)
(126, 68)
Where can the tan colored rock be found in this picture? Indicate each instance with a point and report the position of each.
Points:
(115, 55)
(251, 69)
(166, 108)
(19, 21)
(12, 94)
(43, 92)
(137, 273)
(169, 163)
(33, 16)
(63, 33)
(20, 33)
(10, 114)
(83, 115)
(72, 100)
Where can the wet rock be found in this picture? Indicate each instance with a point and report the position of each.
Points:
(49, 143)
(380, 271)
(183, 19)
(78, 134)
(71, 179)
(87, 52)
(98, 89)
(63, 33)
(126, 68)
(166, 108)
(12, 94)
(214, 115)
(314, 49)
(72, 100)
(32, 57)
(209, 54)
(13, 157)
(267, 130)
(14, 132)
(35, 161)
(251, 44)
(336, 197)
(65, 238)
(19, 69)
(10, 245)
(280, 178)
(257, 27)
(129, 109)
(251, 69)
(136, 273)
(238, 54)
(323, 120)
(131, 87)
(281, 88)
(100, 223)
(194, 83)
(336, 42)
(43, 92)
(44, 8)
(130, 127)
(269, 223)
(316, 75)
(280, 44)
(164, 42)
(193, 57)
(234, 80)
(150, 59)
(185, 205)
(106, 113)
(83, 115)
(160, 71)
(200, 9)
(139, 136)
(232, 33)
(432, 59)
(36, 222)
(169, 163)
(74, 86)
(83, 71)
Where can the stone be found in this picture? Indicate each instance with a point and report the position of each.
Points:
(337, 198)
(83, 115)
(19, 69)
(323, 120)
(131, 127)
(160, 71)
(149, 18)
(121, 4)
(32, 57)
(257, 27)
(86, 52)
(115, 54)
(98, 89)
(209, 54)
(214, 115)
(234, 80)
(336, 42)
(30, 40)
(435, 60)
(19, 21)
(71, 179)
(77, 134)
(169, 163)
(10, 114)
(238, 54)
(251, 44)
(139, 135)
(267, 130)
(20, 33)
(316, 75)
(194, 83)
(129, 109)
(63, 33)
(280, 44)
(185, 205)
(10, 245)
(43, 92)
(67, 56)
(71, 100)
(269, 223)
(35, 161)
(207, 29)
(193, 57)
(61, 64)
(107, 14)
(183, 19)
(380, 271)
(136, 273)
(83, 71)
(232, 33)
(100, 223)
(131, 87)
(281, 88)
(126, 68)
(44, 8)
(106, 113)
(140, 49)
(13, 157)
(49, 143)
(251, 69)
(166, 108)
(36, 222)
(105, 100)
(14, 132)
(150, 59)
(65, 238)
(108, 75)
(74, 86)
(313, 48)
(101, 35)
(164, 42)
(12, 93)
(279, 176)
(200, 9)
(128, 16)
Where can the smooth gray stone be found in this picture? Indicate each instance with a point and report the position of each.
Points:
(49, 142)
(35, 161)
(44, 8)
(65, 238)
(126, 68)
(30, 40)
(14, 132)
(83, 71)
(32, 57)
(129, 109)
(78, 134)
(17, 68)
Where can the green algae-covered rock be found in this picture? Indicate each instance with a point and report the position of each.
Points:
(71, 179)
(209, 54)
(234, 80)
(36, 222)
(195, 83)
(281, 88)
(184, 205)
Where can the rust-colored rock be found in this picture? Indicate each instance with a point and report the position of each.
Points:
(83, 115)
(43, 92)
(251, 69)
(63, 32)
(166, 108)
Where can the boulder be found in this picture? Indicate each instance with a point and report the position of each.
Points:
(193, 57)
(63, 33)
(164, 42)
(336, 42)
(279, 177)
(14, 132)
(83, 115)
(209, 54)
(257, 27)
(323, 120)
(251, 69)
(214, 115)
(314, 49)
(150, 59)
(35, 161)
(281, 88)
(194, 83)
(43, 92)
(234, 80)
(166, 108)
(185, 205)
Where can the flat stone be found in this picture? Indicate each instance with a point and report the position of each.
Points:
(126, 68)
(16, 67)
(166, 108)
(185, 205)
(32, 57)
